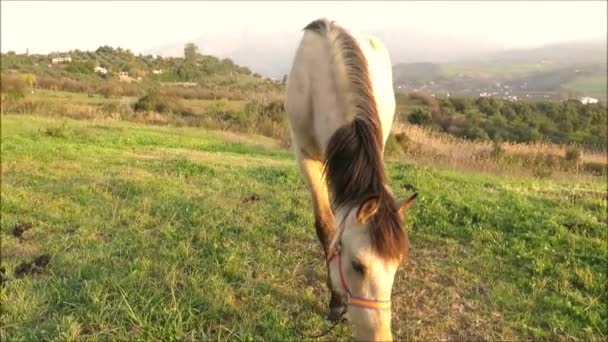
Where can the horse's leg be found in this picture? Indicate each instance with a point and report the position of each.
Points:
(324, 218)
(312, 170)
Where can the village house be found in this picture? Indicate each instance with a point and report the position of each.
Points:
(123, 76)
(58, 60)
(588, 100)
(101, 70)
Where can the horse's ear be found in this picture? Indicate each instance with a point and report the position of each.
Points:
(405, 204)
(367, 210)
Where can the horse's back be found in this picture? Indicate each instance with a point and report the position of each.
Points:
(315, 94)
(381, 76)
(312, 96)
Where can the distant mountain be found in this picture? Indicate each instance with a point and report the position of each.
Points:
(555, 71)
(432, 62)
(271, 54)
(590, 52)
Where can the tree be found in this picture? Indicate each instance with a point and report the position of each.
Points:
(190, 52)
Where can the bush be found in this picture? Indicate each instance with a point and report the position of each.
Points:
(108, 89)
(13, 87)
(154, 101)
(573, 155)
(420, 116)
(403, 140)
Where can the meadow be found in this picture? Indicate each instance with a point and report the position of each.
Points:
(592, 85)
(113, 229)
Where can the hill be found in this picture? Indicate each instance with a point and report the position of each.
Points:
(557, 71)
(94, 68)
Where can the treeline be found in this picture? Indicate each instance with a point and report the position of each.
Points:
(16, 85)
(488, 118)
(191, 67)
(209, 76)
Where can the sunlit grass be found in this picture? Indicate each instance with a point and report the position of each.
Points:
(151, 237)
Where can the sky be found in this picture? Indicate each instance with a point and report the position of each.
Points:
(48, 26)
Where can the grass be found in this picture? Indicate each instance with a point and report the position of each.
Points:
(151, 235)
(594, 86)
(424, 147)
(427, 147)
(194, 105)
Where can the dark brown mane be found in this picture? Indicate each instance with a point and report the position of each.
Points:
(354, 164)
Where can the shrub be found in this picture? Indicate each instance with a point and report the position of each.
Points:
(403, 140)
(573, 155)
(154, 101)
(108, 89)
(420, 116)
(13, 87)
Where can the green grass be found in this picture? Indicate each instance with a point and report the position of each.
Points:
(150, 238)
(78, 98)
(594, 86)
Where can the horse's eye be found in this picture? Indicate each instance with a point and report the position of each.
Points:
(358, 267)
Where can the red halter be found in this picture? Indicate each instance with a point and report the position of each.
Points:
(365, 303)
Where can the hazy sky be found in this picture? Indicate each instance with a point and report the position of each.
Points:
(141, 25)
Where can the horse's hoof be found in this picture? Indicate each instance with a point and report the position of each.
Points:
(336, 313)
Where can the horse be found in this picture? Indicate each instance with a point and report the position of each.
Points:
(340, 105)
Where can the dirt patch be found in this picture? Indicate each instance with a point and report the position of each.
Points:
(42, 260)
(36, 266)
(251, 198)
(21, 228)
(3, 278)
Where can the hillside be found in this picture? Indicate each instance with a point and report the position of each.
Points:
(117, 64)
(557, 71)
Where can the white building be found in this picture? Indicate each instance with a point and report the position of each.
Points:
(101, 70)
(58, 60)
(588, 100)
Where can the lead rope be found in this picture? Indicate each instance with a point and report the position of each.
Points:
(325, 332)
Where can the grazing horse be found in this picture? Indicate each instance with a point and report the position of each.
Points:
(341, 104)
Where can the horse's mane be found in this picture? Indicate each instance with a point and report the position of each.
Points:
(354, 163)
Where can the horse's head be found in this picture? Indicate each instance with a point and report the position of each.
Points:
(367, 248)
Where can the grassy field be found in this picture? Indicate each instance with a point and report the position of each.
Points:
(196, 106)
(114, 230)
(594, 86)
